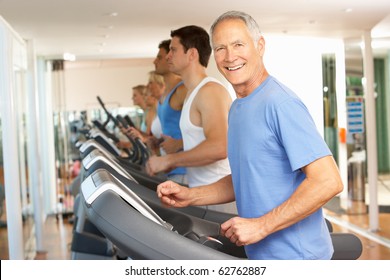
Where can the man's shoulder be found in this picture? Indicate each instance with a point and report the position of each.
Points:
(213, 85)
(179, 94)
(213, 94)
(211, 81)
(181, 89)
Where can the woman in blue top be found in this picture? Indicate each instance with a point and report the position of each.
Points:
(282, 170)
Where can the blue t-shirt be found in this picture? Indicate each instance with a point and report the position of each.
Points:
(170, 119)
(271, 136)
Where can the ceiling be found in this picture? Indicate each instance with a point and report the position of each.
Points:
(92, 29)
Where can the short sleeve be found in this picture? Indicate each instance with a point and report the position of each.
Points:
(298, 134)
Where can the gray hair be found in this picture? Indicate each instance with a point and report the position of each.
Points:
(251, 24)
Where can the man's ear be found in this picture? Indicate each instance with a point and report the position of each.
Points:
(261, 46)
(193, 53)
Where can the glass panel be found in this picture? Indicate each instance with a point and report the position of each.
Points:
(330, 103)
(382, 87)
(16, 98)
(356, 137)
(25, 191)
(71, 127)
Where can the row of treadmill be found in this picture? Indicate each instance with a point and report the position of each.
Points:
(119, 216)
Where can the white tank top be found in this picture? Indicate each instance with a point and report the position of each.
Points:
(192, 137)
(156, 127)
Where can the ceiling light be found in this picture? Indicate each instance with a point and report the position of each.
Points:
(347, 10)
(106, 26)
(69, 57)
(112, 14)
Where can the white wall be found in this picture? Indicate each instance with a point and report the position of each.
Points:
(112, 80)
(297, 62)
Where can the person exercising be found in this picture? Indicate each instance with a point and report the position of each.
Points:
(282, 170)
(203, 121)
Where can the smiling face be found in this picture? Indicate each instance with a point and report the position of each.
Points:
(238, 57)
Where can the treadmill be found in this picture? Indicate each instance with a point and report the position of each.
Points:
(140, 232)
(347, 246)
(87, 235)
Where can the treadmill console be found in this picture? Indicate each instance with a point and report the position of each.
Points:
(101, 181)
(96, 155)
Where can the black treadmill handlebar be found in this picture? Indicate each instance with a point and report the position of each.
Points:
(109, 115)
(122, 121)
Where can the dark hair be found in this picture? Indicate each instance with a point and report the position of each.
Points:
(192, 36)
(165, 45)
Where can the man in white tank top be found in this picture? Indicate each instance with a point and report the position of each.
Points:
(204, 115)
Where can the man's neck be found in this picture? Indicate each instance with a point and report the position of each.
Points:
(192, 79)
(170, 80)
(243, 90)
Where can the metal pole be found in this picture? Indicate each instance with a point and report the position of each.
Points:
(34, 150)
(372, 164)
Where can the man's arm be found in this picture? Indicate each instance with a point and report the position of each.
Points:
(171, 145)
(172, 194)
(209, 110)
(321, 184)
